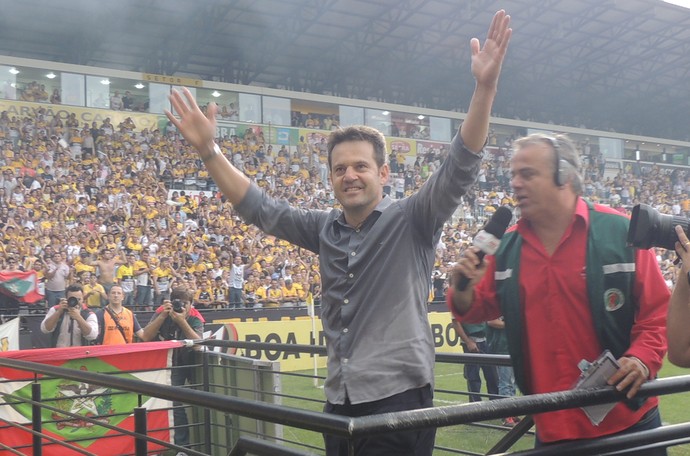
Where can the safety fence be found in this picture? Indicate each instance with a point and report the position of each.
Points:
(235, 407)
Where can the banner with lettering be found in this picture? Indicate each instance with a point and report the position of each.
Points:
(406, 147)
(302, 331)
(149, 362)
(22, 109)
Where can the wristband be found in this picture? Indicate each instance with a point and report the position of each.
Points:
(216, 151)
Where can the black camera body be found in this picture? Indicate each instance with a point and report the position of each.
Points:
(178, 306)
(649, 228)
(72, 302)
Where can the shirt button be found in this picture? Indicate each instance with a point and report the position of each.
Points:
(344, 360)
(351, 275)
(346, 301)
(345, 330)
(353, 253)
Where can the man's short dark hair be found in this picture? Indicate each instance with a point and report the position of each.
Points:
(74, 288)
(358, 133)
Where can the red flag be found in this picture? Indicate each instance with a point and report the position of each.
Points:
(148, 361)
(20, 285)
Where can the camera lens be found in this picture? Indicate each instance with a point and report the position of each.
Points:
(72, 301)
(649, 228)
(178, 306)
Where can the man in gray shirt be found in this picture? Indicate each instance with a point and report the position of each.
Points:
(376, 254)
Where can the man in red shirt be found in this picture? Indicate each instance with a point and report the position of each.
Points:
(569, 288)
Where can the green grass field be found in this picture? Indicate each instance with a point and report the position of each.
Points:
(674, 409)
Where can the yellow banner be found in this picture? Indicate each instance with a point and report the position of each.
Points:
(407, 147)
(174, 80)
(84, 115)
(299, 331)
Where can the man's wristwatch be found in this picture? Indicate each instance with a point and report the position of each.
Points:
(216, 151)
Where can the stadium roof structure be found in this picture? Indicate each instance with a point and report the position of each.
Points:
(606, 64)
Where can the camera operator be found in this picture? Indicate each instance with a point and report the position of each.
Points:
(679, 309)
(176, 319)
(81, 326)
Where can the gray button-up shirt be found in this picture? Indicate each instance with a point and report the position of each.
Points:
(375, 279)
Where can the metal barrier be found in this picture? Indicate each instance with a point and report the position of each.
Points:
(249, 411)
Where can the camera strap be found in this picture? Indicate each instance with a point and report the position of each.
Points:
(117, 322)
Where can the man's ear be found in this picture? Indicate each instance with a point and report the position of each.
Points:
(384, 173)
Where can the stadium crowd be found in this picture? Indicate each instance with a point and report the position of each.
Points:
(77, 200)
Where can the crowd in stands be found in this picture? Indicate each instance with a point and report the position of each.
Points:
(76, 196)
(326, 122)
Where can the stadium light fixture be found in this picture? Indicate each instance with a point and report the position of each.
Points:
(105, 82)
(139, 85)
(215, 93)
(51, 75)
(681, 3)
(13, 70)
(420, 117)
(385, 113)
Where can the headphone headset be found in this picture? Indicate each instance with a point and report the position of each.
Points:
(564, 172)
(563, 169)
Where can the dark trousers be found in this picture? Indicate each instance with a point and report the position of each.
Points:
(474, 381)
(179, 376)
(235, 298)
(407, 443)
(650, 420)
(144, 295)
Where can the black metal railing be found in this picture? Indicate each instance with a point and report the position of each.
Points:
(367, 426)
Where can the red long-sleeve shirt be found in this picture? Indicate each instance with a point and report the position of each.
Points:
(558, 328)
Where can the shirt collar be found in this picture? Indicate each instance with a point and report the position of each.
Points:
(380, 207)
(581, 213)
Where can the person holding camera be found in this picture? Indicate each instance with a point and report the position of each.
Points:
(569, 287)
(679, 309)
(70, 322)
(176, 319)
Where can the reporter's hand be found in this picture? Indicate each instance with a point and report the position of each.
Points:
(469, 265)
(683, 248)
(630, 375)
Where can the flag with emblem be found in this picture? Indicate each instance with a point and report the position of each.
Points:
(68, 402)
(20, 285)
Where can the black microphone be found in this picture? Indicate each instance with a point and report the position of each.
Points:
(488, 239)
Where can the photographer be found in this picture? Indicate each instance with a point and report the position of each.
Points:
(81, 326)
(679, 310)
(176, 319)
